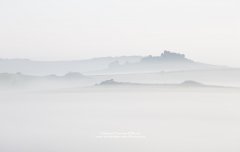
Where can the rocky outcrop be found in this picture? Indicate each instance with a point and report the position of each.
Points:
(165, 57)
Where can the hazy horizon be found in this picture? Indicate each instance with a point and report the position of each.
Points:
(116, 56)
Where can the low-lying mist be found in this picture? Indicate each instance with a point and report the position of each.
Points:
(121, 119)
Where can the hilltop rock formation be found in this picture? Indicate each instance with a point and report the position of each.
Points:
(167, 56)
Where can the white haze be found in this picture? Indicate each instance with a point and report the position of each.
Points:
(167, 102)
(168, 120)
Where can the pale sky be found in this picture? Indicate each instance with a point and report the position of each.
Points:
(205, 30)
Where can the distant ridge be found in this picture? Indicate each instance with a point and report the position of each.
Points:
(167, 61)
(31, 67)
(188, 83)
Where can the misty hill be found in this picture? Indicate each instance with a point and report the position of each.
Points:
(192, 83)
(112, 82)
(61, 67)
(19, 80)
(188, 83)
(222, 77)
(167, 61)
